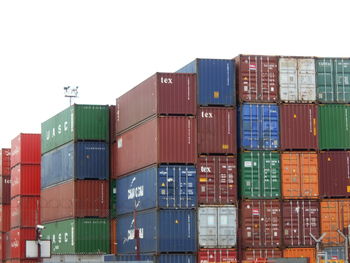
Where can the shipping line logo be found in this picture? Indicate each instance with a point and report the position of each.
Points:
(61, 128)
(166, 80)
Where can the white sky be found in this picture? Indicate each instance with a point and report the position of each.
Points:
(108, 46)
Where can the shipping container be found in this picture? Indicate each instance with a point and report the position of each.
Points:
(333, 80)
(166, 186)
(261, 223)
(5, 189)
(112, 198)
(259, 127)
(215, 81)
(113, 160)
(8, 245)
(309, 253)
(73, 199)
(5, 161)
(298, 123)
(5, 218)
(333, 126)
(335, 253)
(217, 255)
(149, 258)
(217, 180)
(112, 124)
(25, 149)
(113, 236)
(25, 211)
(300, 175)
(25, 180)
(2, 246)
(80, 160)
(297, 79)
(217, 226)
(257, 79)
(288, 260)
(260, 176)
(252, 254)
(78, 236)
(77, 122)
(160, 140)
(160, 94)
(217, 130)
(18, 237)
(300, 218)
(159, 231)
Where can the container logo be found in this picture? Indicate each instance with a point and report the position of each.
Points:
(57, 130)
(208, 115)
(131, 233)
(255, 212)
(252, 66)
(205, 169)
(61, 238)
(166, 80)
(135, 192)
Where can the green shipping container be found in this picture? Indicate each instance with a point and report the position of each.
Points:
(260, 176)
(78, 236)
(333, 80)
(333, 125)
(76, 123)
(113, 198)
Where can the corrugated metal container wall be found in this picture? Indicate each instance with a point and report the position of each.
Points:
(113, 160)
(160, 231)
(161, 94)
(260, 175)
(81, 236)
(149, 258)
(77, 122)
(2, 246)
(5, 215)
(334, 169)
(215, 81)
(166, 186)
(5, 161)
(214, 255)
(5, 189)
(257, 78)
(81, 198)
(160, 140)
(259, 127)
(297, 79)
(335, 253)
(113, 236)
(25, 180)
(25, 149)
(261, 223)
(217, 130)
(112, 198)
(112, 124)
(333, 80)
(80, 160)
(298, 123)
(300, 218)
(217, 180)
(300, 175)
(333, 123)
(217, 226)
(8, 245)
(253, 254)
(309, 253)
(25, 211)
(18, 237)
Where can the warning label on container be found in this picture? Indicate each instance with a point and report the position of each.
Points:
(348, 188)
(216, 94)
(120, 142)
(255, 212)
(248, 164)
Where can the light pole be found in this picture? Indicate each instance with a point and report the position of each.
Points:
(70, 93)
(318, 242)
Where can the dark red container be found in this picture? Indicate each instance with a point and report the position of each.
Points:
(217, 180)
(298, 123)
(300, 218)
(2, 246)
(261, 223)
(5, 189)
(5, 161)
(159, 140)
(18, 237)
(7, 245)
(257, 78)
(217, 255)
(25, 211)
(113, 160)
(25, 180)
(161, 94)
(217, 130)
(334, 172)
(253, 254)
(80, 198)
(112, 124)
(26, 149)
(5, 216)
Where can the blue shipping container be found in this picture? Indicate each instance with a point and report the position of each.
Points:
(215, 81)
(162, 258)
(80, 160)
(166, 186)
(337, 253)
(259, 127)
(160, 231)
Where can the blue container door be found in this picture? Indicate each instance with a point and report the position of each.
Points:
(270, 127)
(250, 126)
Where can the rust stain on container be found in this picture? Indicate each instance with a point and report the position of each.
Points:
(309, 253)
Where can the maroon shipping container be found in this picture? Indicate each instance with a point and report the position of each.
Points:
(25, 180)
(161, 94)
(26, 149)
(263, 253)
(261, 223)
(217, 130)
(113, 160)
(8, 245)
(298, 124)
(18, 237)
(300, 218)
(25, 211)
(5, 161)
(5, 216)
(80, 198)
(160, 140)
(217, 255)
(5, 189)
(217, 180)
(2, 246)
(257, 79)
(112, 124)
(334, 172)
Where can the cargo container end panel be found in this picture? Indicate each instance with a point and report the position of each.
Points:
(112, 124)
(5, 161)
(5, 189)
(309, 253)
(25, 211)
(25, 180)
(216, 255)
(25, 149)
(5, 217)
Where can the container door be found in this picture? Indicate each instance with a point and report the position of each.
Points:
(269, 133)
(207, 180)
(187, 194)
(290, 175)
(227, 226)
(207, 227)
(288, 79)
(270, 171)
(325, 80)
(309, 175)
(342, 80)
(250, 127)
(250, 172)
(227, 180)
(306, 80)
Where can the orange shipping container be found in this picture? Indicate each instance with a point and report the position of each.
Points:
(300, 253)
(299, 175)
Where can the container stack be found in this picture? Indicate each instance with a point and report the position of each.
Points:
(74, 185)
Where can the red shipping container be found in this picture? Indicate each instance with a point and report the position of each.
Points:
(25, 261)
(25, 211)
(263, 253)
(7, 245)
(217, 255)
(5, 189)
(160, 140)
(72, 199)
(5, 161)
(26, 149)
(217, 180)
(25, 180)
(112, 124)
(261, 223)
(298, 124)
(300, 218)
(113, 160)
(257, 79)
(217, 130)
(2, 246)
(161, 94)
(18, 237)
(5, 218)
(113, 235)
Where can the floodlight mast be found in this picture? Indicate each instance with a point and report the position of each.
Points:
(70, 92)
